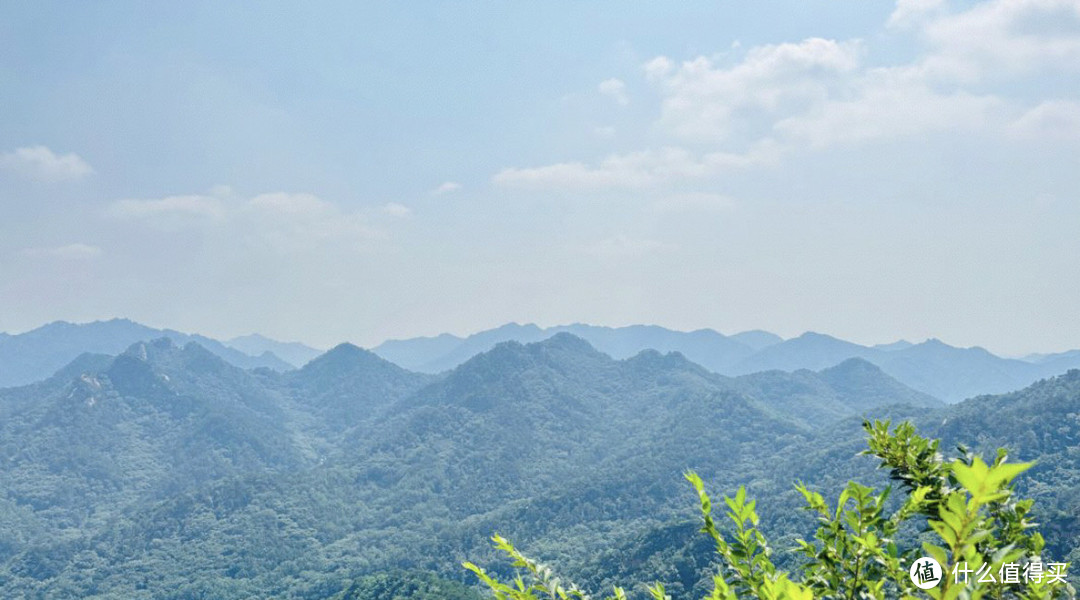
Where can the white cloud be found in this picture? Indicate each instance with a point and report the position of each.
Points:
(615, 89)
(605, 131)
(889, 103)
(278, 220)
(74, 252)
(910, 12)
(618, 170)
(635, 169)
(446, 187)
(951, 86)
(703, 101)
(289, 222)
(751, 108)
(171, 211)
(810, 95)
(42, 164)
(291, 205)
(999, 39)
(396, 210)
(658, 68)
(1053, 119)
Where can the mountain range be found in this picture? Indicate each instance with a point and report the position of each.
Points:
(937, 369)
(932, 367)
(37, 354)
(166, 472)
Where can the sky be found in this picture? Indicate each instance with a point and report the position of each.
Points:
(343, 171)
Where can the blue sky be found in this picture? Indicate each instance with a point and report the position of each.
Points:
(340, 171)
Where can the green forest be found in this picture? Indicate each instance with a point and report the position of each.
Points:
(165, 472)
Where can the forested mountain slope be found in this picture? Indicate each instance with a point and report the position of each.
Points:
(165, 472)
(1040, 423)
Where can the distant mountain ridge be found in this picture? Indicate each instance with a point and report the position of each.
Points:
(294, 353)
(851, 387)
(37, 354)
(706, 347)
(932, 367)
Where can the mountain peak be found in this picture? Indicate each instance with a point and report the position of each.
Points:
(567, 341)
(257, 337)
(343, 354)
(853, 365)
(516, 327)
(563, 348)
(865, 384)
(813, 336)
(757, 339)
(936, 346)
(897, 345)
(654, 359)
(345, 348)
(163, 355)
(147, 351)
(346, 358)
(296, 354)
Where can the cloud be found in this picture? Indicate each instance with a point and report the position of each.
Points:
(910, 12)
(964, 52)
(703, 101)
(658, 68)
(42, 164)
(446, 187)
(618, 170)
(951, 87)
(753, 107)
(810, 95)
(294, 222)
(1000, 39)
(889, 103)
(396, 210)
(1053, 119)
(291, 205)
(615, 89)
(277, 220)
(171, 211)
(73, 252)
(635, 169)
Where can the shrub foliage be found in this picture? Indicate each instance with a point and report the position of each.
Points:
(976, 528)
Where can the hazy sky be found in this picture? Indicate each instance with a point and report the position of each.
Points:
(335, 172)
